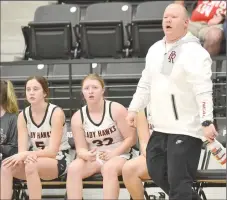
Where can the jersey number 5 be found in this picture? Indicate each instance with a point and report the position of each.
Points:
(40, 144)
(100, 143)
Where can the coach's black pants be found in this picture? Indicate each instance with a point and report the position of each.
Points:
(172, 162)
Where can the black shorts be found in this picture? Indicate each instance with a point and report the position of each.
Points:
(64, 159)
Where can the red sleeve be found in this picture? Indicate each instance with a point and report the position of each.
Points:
(206, 10)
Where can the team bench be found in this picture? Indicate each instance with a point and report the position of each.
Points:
(205, 178)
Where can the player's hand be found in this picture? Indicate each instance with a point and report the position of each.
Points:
(106, 155)
(31, 158)
(210, 132)
(14, 159)
(90, 155)
(131, 118)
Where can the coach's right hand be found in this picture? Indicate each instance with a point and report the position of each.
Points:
(131, 118)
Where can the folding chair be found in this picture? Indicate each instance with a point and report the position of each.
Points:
(51, 34)
(102, 31)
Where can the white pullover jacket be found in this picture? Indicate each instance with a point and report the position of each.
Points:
(177, 83)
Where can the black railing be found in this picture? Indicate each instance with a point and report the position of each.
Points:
(90, 61)
(65, 89)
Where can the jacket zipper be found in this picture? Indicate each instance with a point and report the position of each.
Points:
(174, 106)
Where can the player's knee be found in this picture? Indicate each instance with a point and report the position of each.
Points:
(109, 171)
(150, 169)
(76, 167)
(5, 170)
(30, 168)
(127, 170)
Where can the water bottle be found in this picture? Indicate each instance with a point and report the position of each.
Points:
(217, 150)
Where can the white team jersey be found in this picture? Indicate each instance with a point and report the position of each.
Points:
(39, 135)
(103, 136)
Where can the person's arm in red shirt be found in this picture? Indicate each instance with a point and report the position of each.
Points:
(216, 20)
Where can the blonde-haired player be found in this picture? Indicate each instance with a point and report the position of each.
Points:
(9, 110)
(103, 140)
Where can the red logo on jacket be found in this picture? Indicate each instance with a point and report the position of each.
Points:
(172, 56)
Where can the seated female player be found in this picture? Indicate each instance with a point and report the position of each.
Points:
(43, 124)
(9, 112)
(103, 141)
